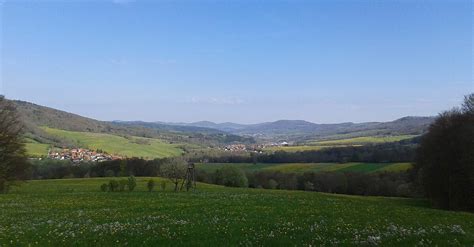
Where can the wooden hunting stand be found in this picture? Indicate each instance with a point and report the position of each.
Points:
(190, 178)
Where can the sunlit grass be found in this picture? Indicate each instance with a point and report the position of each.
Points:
(74, 212)
(113, 144)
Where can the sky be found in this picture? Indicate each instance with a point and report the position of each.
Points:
(238, 61)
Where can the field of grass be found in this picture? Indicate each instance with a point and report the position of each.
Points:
(35, 149)
(129, 147)
(303, 148)
(363, 140)
(74, 212)
(310, 167)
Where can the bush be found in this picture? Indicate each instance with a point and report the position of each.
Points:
(150, 185)
(132, 183)
(104, 187)
(122, 184)
(163, 185)
(113, 185)
(231, 176)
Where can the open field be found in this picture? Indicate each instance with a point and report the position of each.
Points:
(363, 140)
(343, 142)
(74, 212)
(36, 149)
(129, 147)
(305, 147)
(310, 167)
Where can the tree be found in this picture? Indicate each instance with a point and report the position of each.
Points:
(232, 176)
(150, 185)
(13, 162)
(445, 159)
(132, 183)
(175, 170)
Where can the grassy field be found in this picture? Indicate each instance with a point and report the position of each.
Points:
(113, 144)
(75, 213)
(343, 142)
(36, 149)
(363, 140)
(311, 167)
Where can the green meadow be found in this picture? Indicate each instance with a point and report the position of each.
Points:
(363, 140)
(310, 167)
(74, 212)
(147, 148)
(36, 149)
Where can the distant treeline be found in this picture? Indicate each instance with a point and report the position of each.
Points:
(379, 184)
(351, 183)
(403, 151)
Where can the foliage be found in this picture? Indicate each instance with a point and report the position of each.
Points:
(132, 183)
(113, 185)
(13, 163)
(55, 212)
(445, 161)
(104, 187)
(122, 184)
(150, 185)
(231, 176)
(163, 185)
(174, 169)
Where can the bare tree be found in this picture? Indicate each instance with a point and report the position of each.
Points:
(13, 162)
(175, 170)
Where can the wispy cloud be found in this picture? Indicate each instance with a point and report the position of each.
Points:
(217, 100)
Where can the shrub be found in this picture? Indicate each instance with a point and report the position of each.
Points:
(150, 185)
(232, 176)
(104, 187)
(113, 185)
(122, 184)
(132, 183)
(163, 185)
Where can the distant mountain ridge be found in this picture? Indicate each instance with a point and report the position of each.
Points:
(293, 130)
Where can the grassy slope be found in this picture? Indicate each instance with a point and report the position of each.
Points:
(74, 212)
(35, 149)
(343, 142)
(314, 167)
(150, 148)
(364, 140)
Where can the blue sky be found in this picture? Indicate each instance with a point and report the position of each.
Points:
(242, 61)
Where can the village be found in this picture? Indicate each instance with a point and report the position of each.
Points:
(81, 154)
(253, 148)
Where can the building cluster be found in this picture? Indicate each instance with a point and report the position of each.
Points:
(81, 154)
(254, 147)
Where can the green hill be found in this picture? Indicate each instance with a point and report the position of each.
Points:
(128, 146)
(74, 212)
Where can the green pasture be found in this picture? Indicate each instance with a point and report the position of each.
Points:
(147, 148)
(74, 212)
(310, 167)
